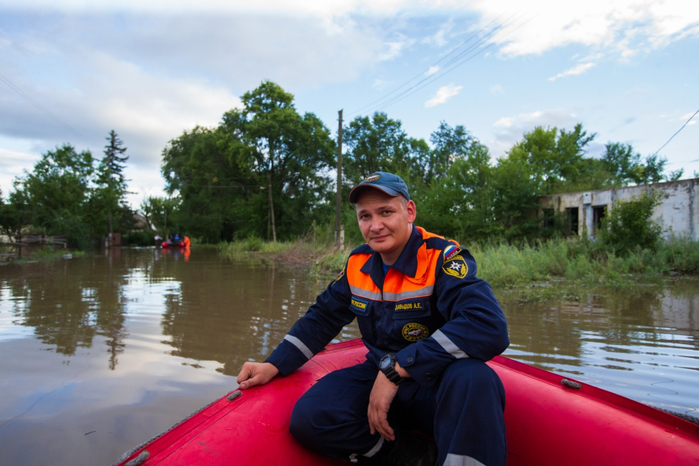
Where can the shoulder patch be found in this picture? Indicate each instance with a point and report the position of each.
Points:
(456, 266)
(450, 252)
(339, 276)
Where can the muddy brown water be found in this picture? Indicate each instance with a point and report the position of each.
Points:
(100, 353)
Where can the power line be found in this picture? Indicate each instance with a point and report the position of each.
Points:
(42, 108)
(425, 71)
(678, 131)
(462, 57)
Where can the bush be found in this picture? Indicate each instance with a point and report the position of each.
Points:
(629, 226)
(681, 255)
(138, 238)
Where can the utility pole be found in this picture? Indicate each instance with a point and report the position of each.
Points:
(339, 230)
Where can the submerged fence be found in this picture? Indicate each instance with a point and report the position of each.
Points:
(24, 243)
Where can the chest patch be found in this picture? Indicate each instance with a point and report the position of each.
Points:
(456, 267)
(360, 306)
(414, 331)
(409, 307)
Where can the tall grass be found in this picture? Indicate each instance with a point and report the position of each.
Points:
(574, 261)
(583, 261)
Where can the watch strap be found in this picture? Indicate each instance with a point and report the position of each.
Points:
(389, 370)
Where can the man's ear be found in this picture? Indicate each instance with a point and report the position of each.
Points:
(412, 211)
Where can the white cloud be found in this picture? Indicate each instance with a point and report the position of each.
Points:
(531, 27)
(443, 94)
(574, 71)
(432, 70)
(439, 39)
(12, 165)
(394, 48)
(510, 129)
(497, 89)
(536, 26)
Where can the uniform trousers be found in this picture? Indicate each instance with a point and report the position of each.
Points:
(462, 410)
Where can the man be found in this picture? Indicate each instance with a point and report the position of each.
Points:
(429, 324)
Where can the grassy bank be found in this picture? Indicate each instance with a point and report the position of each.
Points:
(45, 254)
(531, 269)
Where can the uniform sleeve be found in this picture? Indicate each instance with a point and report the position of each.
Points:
(475, 327)
(312, 332)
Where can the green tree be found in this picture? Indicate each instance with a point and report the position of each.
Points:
(630, 226)
(10, 218)
(555, 156)
(157, 210)
(54, 196)
(449, 145)
(626, 166)
(213, 190)
(375, 144)
(623, 163)
(260, 173)
(457, 199)
(110, 194)
(285, 153)
(515, 198)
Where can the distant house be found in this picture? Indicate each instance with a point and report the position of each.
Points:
(140, 223)
(678, 211)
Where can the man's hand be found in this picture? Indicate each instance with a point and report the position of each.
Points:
(256, 373)
(382, 395)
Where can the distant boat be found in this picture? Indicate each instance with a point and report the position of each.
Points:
(551, 420)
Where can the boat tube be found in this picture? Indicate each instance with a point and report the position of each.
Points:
(550, 419)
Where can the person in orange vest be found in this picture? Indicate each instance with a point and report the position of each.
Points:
(187, 242)
(429, 323)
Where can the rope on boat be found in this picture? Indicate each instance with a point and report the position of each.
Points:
(571, 384)
(136, 461)
(686, 417)
(139, 459)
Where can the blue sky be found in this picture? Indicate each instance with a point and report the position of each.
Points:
(71, 71)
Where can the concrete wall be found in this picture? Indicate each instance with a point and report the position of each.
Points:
(678, 211)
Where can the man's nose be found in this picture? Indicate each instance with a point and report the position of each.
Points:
(376, 224)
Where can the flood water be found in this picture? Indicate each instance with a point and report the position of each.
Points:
(100, 353)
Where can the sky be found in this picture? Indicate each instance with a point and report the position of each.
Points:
(73, 70)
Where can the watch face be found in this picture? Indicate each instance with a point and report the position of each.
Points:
(385, 363)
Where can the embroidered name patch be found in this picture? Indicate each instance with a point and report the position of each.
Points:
(409, 307)
(414, 331)
(359, 305)
(456, 267)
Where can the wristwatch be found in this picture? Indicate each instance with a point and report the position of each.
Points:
(387, 365)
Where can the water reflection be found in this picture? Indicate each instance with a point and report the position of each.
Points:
(641, 343)
(102, 352)
(67, 308)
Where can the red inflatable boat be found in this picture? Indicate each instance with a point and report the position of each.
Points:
(550, 420)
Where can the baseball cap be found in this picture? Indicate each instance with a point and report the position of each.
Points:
(391, 184)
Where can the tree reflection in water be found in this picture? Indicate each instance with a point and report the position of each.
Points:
(174, 330)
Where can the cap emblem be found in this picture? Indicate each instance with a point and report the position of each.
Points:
(372, 178)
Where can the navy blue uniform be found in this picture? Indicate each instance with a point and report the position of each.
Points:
(443, 323)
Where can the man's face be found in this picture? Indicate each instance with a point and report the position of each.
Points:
(385, 222)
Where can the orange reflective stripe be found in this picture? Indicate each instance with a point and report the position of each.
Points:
(397, 286)
(361, 284)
